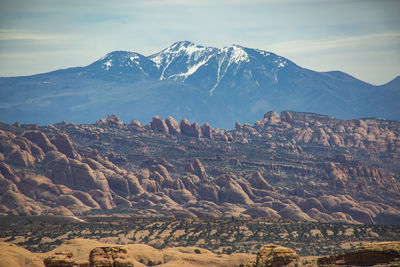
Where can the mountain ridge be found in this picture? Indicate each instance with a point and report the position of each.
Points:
(301, 166)
(220, 86)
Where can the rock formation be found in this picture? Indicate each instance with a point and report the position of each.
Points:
(60, 259)
(294, 165)
(271, 255)
(173, 126)
(111, 120)
(159, 125)
(109, 257)
(206, 130)
(367, 255)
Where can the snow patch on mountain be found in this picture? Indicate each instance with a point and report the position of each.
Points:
(106, 65)
(236, 54)
(191, 69)
(231, 55)
(181, 55)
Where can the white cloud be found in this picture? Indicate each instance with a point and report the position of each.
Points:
(348, 42)
(13, 34)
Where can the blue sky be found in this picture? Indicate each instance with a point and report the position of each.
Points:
(361, 38)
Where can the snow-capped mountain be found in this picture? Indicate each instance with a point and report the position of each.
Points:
(208, 67)
(126, 62)
(200, 83)
(181, 60)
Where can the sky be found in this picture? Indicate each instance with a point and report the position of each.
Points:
(359, 37)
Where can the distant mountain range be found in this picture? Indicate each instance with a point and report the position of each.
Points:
(200, 83)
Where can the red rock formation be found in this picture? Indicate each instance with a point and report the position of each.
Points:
(173, 126)
(231, 191)
(40, 139)
(110, 257)
(367, 255)
(185, 127)
(272, 117)
(206, 130)
(159, 125)
(196, 167)
(190, 130)
(196, 131)
(258, 181)
(272, 255)
(60, 259)
(111, 120)
(64, 145)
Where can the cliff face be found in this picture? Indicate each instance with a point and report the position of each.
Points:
(293, 165)
(367, 255)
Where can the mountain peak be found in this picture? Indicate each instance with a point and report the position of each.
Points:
(237, 53)
(181, 59)
(125, 62)
(118, 58)
(182, 43)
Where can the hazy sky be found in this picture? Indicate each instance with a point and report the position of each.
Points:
(359, 37)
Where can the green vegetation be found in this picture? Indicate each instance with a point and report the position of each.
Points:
(221, 235)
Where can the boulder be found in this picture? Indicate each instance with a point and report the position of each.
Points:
(110, 257)
(238, 126)
(137, 125)
(272, 117)
(185, 127)
(64, 145)
(206, 130)
(159, 125)
(272, 255)
(114, 120)
(190, 130)
(60, 259)
(196, 131)
(173, 125)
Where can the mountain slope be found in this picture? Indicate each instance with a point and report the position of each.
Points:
(220, 86)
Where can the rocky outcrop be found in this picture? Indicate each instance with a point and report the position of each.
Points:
(159, 125)
(231, 191)
(272, 255)
(110, 257)
(136, 125)
(74, 174)
(185, 127)
(111, 120)
(367, 255)
(197, 168)
(173, 126)
(300, 166)
(40, 139)
(196, 131)
(64, 145)
(258, 181)
(206, 130)
(60, 259)
(190, 130)
(272, 117)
